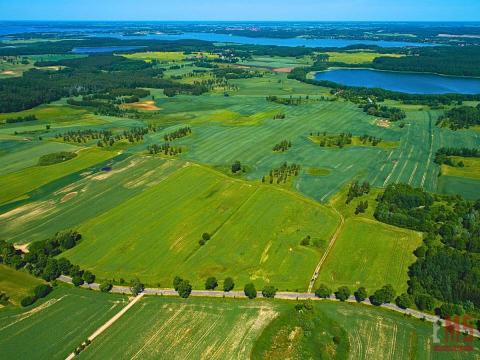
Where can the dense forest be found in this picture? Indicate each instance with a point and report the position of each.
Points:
(450, 60)
(84, 76)
(448, 262)
(461, 117)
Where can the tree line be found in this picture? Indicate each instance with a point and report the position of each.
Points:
(282, 174)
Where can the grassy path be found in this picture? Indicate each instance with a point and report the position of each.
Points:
(327, 251)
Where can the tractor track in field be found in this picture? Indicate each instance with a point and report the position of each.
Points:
(327, 251)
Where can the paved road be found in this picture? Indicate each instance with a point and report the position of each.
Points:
(280, 295)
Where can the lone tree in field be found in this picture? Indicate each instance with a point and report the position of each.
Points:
(136, 286)
(236, 167)
(323, 292)
(269, 292)
(343, 293)
(228, 284)
(250, 291)
(360, 294)
(184, 289)
(211, 283)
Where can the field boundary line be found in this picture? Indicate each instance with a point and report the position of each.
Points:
(110, 322)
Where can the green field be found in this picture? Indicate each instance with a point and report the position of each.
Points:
(370, 254)
(22, 182)
(16, 284)
(256, 233)
(357, 57)
(56, 325)
(381, 334)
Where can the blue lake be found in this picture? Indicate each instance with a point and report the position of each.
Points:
(413, 83)
(225, 38)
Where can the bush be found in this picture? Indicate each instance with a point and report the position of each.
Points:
(228, 284)
(360, 294)
(269, 292)
(42, 290)
(206, 236)
(211, 283)
(3, 298)
(250, 291)
(184, 289)
(77, 280)
(27, 301)
(106, 286)
(343, 293)
(323, 292)
(449, 310)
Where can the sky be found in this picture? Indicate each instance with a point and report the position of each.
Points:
(254, 10)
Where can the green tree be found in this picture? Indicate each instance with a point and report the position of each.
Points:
(176, 282)
(184, 289)
(136, 287)
(269, 292)
(106, 286)
(88, 277)
(211, 283)
(206, 236)
(343, 293)
(27, 301)
(77, 280)
(404, 301)
(360, 294)
(42, 290)
(250, 291)
(228, 284)
(236, 167)
(424, 302)
(323, 292)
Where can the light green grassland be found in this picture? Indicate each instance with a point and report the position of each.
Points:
(16, 284)
(470, 170)
(370, 254)
(357, 57)
(21, 182)
(277, 61)
(56, 325)
(256, 233)
(72, 202)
